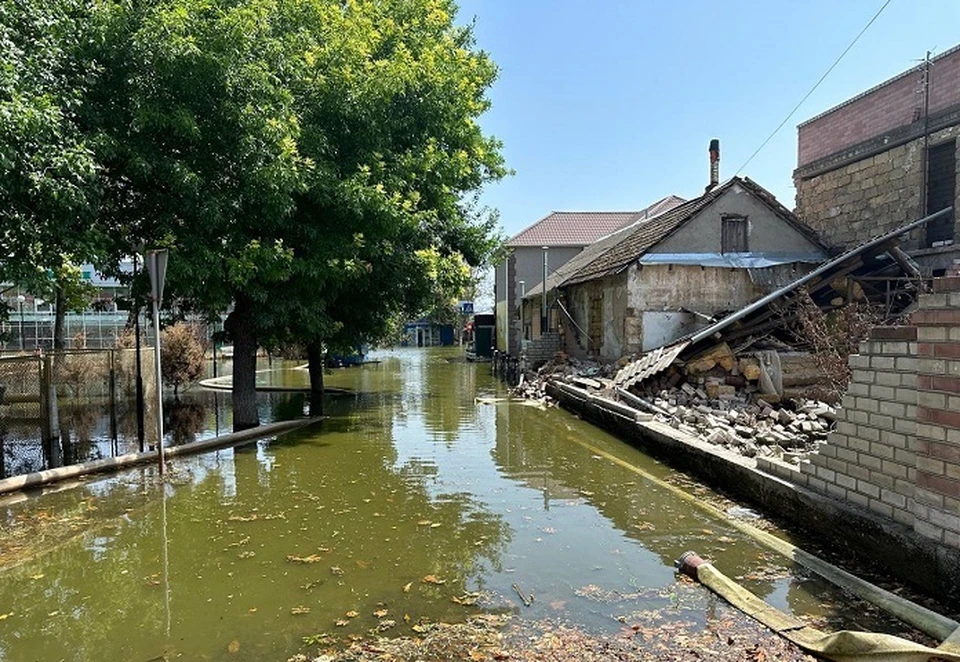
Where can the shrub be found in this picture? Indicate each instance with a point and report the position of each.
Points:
(182, 355)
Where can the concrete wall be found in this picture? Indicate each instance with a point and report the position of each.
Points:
(767, 231)
(862, 198)
(708, 290)
(896, 448)
(613, 293)
(529, 265)
(526, 264)
(880, 110)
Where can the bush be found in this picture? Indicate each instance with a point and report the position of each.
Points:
(182, 355)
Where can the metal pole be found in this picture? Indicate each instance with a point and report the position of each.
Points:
(543, 305)
(506, 304)
(925, 164)
(20, 299)
(156, 367)
(136, 327)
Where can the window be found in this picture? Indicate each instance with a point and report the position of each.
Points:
(941, 189)
(733, 236)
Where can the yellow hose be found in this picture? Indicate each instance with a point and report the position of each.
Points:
(929, 622)
(843, 646)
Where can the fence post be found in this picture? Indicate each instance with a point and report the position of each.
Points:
(112, 386)
(49, 418)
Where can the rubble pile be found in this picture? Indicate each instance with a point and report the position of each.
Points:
(760, 404)
(752, 404)
(585, 373)
(751, 427)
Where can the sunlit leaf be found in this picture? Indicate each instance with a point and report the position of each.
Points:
(233, 647)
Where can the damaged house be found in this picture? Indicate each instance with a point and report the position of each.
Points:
(664, 277)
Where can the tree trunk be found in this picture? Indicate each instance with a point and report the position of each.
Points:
(59, 319)
(239, 325)
(315, 358)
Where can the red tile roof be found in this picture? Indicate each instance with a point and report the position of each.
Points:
(581, 228)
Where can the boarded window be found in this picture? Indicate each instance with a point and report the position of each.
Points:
(596, 323)
(941, 189)
(733, 237)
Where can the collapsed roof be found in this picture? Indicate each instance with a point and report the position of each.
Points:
(872, 266)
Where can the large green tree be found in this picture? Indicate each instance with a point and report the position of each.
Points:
(49, 184)
(389, 102)
(310, 164)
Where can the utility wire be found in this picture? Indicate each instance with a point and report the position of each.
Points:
(813, 89)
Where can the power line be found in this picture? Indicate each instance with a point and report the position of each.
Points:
(813, 89)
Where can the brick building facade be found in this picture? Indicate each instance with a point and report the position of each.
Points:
(863, 170)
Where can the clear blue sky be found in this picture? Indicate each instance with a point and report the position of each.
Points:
(610, 104)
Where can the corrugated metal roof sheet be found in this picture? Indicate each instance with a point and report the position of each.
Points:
(651, 363)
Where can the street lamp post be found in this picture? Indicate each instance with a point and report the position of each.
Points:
(543, 304)
(20, 300)
(136, 331)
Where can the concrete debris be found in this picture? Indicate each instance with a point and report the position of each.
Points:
(716, 396)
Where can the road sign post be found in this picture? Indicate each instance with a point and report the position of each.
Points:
(156, 264)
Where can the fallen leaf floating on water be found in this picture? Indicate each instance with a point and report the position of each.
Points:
(37, 576)
(380, 613)
(337, 570)
(233, 647)
(468, 599)
(252, 610)
(424, 522)
(300, 609)
(341, 622)
(352, 614)
(4, 617)
(363, 565)
(435, 525)
(407, 587)
(313, 558)
(433, 579)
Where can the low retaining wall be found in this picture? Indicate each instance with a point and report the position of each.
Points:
(913, 558)
(42, 478)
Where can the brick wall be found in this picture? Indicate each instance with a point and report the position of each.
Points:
(863, 198)
(937, 498)
(870, 459)
(896, 448)
(541, 350)
(889, 105)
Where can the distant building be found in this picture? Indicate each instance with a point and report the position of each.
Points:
(424, 333)
(886, 157)
(661, 278)
(563, 235)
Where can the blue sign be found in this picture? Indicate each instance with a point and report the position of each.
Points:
(466, 308)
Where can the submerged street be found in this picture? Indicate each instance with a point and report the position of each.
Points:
(429, 497)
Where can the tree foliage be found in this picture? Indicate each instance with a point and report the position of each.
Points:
(312, 165)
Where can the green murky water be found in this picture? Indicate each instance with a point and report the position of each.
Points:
(408, 496)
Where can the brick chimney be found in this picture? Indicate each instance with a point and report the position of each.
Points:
(714, 165)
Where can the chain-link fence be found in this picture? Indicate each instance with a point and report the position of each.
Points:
(72, 406)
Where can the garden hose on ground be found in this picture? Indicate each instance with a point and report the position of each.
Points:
(929, 622)
(843, 646)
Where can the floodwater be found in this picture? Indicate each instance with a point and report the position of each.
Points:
(90, 429)
(411, 501)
